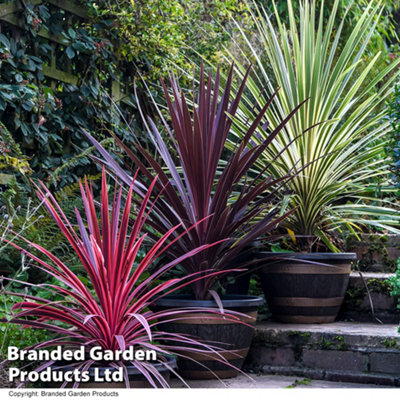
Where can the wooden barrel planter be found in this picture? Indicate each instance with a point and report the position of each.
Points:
(233, 337)
(299, 292)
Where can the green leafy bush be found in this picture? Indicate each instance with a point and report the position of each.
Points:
(394, 146)
(44, 114)
(52, 87)
(27, 218)
(395, 281)
(14, 335)
(154, 34)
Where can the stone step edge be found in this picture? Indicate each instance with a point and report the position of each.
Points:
(333, 375)
(342, 346)
(372, 275)
(337, 327)
(349, 336)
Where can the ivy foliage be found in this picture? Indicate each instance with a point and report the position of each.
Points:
(395, 281)
(44, 114)
(158, 34)
(394, 148)
(58, 70)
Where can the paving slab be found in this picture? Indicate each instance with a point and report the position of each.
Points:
(254, 381)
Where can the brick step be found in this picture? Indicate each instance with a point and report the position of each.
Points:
(342, 351)
(357, 305)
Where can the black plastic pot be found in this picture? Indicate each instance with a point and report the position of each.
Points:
(136, 378)
(234, 337)
(298, 291)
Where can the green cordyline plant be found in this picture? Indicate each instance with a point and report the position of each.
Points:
(342, 127)
(112, 310)
(200, 181)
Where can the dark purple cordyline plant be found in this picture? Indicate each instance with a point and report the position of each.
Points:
(112, 310)
(197, 183)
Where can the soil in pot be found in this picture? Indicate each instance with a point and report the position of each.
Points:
(299, 292)
(233, 337)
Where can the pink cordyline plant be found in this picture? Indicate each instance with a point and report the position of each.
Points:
(113, 310)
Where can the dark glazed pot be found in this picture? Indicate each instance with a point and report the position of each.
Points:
(234, 337)
(299, 292)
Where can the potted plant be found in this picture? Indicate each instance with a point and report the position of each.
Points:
(105, 304)
(215, 191)
(340, 153)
